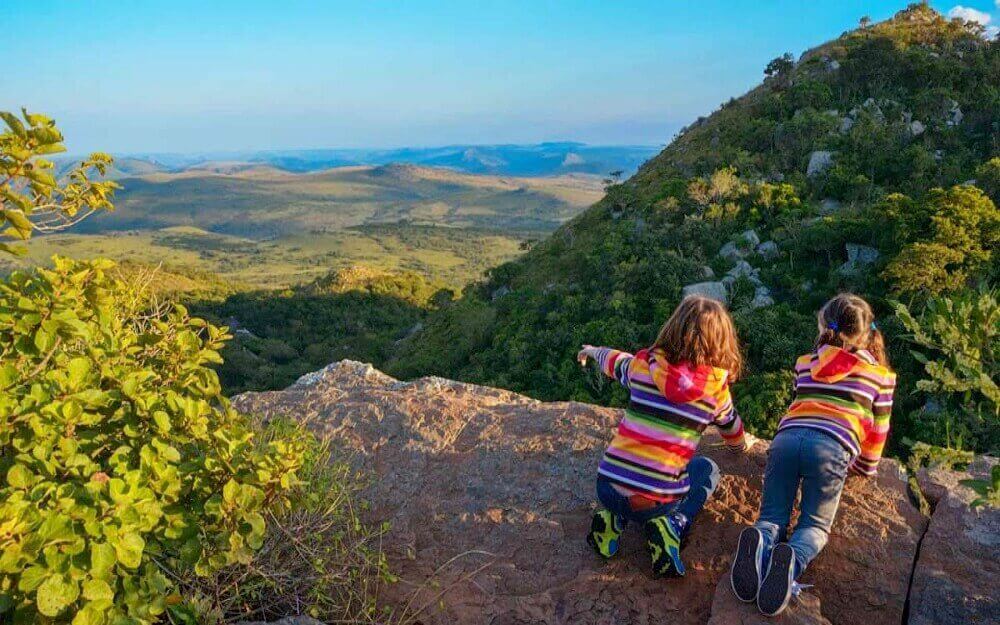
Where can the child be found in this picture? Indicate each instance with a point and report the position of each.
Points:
(838, 421)
(678, 387)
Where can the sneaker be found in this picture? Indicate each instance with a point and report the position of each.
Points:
(605, 532)
(746, 572)
(663, 541)
(779, 584)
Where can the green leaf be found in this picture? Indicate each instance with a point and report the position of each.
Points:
(95, 589)
(56, 594)
(102, 560)
(18, 476)
(128, 549)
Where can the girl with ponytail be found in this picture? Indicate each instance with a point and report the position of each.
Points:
(837, 423)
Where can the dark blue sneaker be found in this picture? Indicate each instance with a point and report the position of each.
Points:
(779, 584)
(746, 573)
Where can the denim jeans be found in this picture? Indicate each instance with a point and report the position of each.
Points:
(819, 462)
(704, 476)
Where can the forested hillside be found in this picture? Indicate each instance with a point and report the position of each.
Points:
(870, 164)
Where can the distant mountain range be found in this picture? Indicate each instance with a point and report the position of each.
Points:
(542, 159)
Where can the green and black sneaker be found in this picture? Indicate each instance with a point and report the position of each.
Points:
(605, 532)
(663, 541)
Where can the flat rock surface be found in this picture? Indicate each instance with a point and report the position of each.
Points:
(490, 494)
(957, 572)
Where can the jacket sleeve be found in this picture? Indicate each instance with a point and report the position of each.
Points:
(614, 363)
(871, 449)
(728, 420)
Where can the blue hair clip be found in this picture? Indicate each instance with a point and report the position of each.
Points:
(833, 325)
(874, 327)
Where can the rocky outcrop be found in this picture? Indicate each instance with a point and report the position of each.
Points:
(489, 495)
(714, 290)
(819, 162)
(954, 580)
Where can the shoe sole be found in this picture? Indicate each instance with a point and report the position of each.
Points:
(744, 575)
(776, 589)
(675, 567)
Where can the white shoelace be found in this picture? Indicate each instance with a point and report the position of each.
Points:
(797, 588)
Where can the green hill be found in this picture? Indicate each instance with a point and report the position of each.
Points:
(865, 165)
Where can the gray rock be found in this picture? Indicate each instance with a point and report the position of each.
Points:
(846, 123)
(498, 293)
(768, 250)
(731, 252)
(714, 290)
(858, 256)
(743, 269)
(917, 128)
(707, 273)
(751, 237)
(829, 206)
(819, 162)
(762, 297)
(953, 115)
(959, 552)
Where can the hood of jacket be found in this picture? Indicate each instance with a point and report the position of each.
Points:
(684, 382)
(835, 363)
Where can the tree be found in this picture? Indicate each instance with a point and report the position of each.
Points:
(780, 67)
(31, 197)
(865, 22)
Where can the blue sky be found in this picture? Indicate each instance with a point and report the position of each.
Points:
(185, 76)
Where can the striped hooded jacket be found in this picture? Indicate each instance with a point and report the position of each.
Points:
(847, 395)
(670, 405)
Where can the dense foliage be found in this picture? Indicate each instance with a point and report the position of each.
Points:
(357, 313)
(870, 164)
(123, 460)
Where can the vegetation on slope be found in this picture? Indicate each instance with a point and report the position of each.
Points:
(870, 165)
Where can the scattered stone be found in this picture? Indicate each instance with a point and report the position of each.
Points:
(498, 293)
(714, 290)
(751, 237)
(762, 297)
(731, 252)
(768, 250)
(858, 256)
(953, 113)
(819, 162)
(707, 272)
(829, 206)
(960, 550)
(938, 155)
(917, 128)
(846, 123)
(743, 269)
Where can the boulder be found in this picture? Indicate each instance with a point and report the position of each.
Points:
(953, 115)
(500, 292)
(829, 206)
(858, 257)
(743, 269)
(762, 297)
(714, 290)
(846, 123)
(819, 162)
(768, 250)
(731, 252)
(750, 238)
(707, 272)
(489, 495)
(917, 128)
(960, 549)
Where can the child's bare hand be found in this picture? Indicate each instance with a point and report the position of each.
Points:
(584, 354)
(749, 440)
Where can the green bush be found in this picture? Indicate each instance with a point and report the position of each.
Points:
(123, 461)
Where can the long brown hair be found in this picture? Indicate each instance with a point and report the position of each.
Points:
(847, 321)
(701, 332)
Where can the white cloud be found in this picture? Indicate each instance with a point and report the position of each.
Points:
(972, 15)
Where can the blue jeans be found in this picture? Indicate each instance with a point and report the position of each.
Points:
(819, 462)
(704, 476)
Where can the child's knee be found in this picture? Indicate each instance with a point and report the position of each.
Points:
(706, 470)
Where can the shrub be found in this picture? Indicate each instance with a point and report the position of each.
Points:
(122, 459)
(318, 558)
